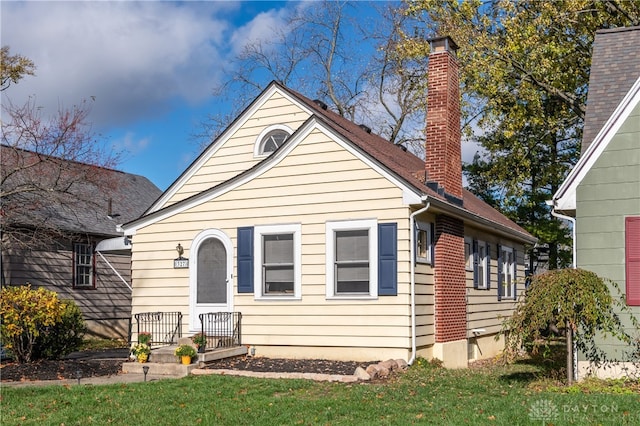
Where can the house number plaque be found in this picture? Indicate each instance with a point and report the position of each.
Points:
(180, 263)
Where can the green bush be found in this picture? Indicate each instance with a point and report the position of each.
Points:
(63, 337)
(36, 323)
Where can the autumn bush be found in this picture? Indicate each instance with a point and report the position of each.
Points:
(35, 323)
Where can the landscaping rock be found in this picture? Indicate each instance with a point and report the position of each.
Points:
(402, 364)
(389, 364)
(361, 374)
(372, 370)
(383, 371)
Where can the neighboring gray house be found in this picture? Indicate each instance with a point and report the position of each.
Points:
(601, 195)
(70, 245)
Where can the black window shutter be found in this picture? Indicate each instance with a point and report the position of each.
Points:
(475, 264)
(245, 260)
(488, 269)
(500, 277)
(387, 259)
(432, 243)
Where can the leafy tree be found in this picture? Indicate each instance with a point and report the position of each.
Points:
(13, 68)
(525, 70)
(579, 303)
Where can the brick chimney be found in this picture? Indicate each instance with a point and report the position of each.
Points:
(443, 147)
(443, 166)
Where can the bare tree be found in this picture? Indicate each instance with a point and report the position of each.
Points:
(326, 51)
(52, 170)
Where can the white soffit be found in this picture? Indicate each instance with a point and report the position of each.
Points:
(113, 244)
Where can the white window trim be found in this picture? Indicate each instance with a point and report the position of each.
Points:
(508, 269)
(424, 226)
(257, 143)
(258, 232)
(485, 263)
(352, 225)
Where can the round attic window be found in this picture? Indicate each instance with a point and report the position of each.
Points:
(272, 140)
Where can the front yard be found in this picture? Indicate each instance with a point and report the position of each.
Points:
(520, 394)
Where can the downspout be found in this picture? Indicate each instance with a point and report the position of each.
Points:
(412, 260)
(573, 234)
(574, 265)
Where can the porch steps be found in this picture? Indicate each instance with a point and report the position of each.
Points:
(164, 362)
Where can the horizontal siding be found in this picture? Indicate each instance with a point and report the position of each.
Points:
(317, 182)
(484, 311)
(53, 270)
(236, 155)
(609, 192)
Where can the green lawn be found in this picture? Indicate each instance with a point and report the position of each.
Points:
(496, 395)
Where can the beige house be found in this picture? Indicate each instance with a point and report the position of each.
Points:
(331, 241)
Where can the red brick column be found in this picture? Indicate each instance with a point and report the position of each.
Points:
(450, 285)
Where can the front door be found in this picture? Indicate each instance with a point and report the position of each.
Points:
(211, 287)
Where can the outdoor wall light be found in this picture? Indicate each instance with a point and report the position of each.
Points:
(145, 370)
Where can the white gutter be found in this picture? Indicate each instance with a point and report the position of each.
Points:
(412, 259)
(573, 231)
(114, 270)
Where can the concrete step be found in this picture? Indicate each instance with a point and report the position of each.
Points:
(159, 369)
(165, 357)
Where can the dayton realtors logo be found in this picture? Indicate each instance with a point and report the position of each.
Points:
(543, 411)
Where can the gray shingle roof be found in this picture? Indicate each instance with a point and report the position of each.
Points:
(93, 189)
(615, 66)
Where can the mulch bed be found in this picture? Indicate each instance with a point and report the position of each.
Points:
(68, 369)
(278, 365)
(59, 370)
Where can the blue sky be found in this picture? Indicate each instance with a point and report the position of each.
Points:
(149, 66)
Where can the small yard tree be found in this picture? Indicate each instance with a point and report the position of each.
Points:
(578, 303)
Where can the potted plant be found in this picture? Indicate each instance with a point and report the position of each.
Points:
(141, 351)
(200, 340)
(144, 337)
(185, 353)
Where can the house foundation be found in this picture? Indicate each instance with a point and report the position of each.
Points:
(452, 354)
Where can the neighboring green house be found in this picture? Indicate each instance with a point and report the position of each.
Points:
(601, 195)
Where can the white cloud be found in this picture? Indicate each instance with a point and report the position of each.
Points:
(133, 57)
(263, 28)
(131, 144)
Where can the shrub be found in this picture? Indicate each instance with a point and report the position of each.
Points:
(63, 337)
(31, 320)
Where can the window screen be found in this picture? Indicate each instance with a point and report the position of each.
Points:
(277, 266)
(352, 261)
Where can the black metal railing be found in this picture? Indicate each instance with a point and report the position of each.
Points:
(223, 329)
(165, 327)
